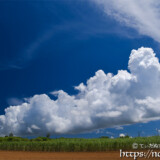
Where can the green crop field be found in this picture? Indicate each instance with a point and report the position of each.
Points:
(72, 144)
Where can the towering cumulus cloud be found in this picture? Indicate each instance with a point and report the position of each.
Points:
(142, 15)
(105, 101)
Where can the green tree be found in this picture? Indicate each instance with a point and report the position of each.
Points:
(48, 135)
(11, 135)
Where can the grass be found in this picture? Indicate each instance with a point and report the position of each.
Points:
(72, 144)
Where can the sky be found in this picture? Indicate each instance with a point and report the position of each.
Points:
(79, 68)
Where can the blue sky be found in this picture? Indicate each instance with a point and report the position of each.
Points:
(56, 45)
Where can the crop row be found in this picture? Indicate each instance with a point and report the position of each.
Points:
(74, 144)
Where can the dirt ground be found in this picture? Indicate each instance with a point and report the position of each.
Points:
(14, 155)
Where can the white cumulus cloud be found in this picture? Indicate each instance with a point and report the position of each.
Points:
(142, 15)
(106, 100)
